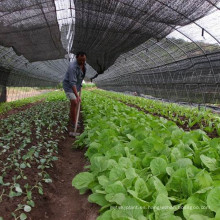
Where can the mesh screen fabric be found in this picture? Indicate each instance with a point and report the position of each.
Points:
(171, 69)
(127, 40)
(109, 28)
(184, 66)
(31, 28)
(44, 73)
(186, 80)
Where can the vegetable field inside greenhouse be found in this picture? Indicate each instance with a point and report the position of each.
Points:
(109, 110)
(37, 162)
(136, 165)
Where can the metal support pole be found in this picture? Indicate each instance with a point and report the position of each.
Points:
(3, 96)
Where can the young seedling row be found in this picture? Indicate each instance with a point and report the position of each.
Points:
(29, 145)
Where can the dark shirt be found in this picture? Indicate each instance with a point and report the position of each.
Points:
(73, 77)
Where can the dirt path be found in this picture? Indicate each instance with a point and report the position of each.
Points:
(61, 201)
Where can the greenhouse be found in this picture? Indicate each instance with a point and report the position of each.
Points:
(109, 109)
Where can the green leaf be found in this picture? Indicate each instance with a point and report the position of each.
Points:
(54, 158)
(23, 165)
(98, 199)
(130, 137)
(130, 173)
(183, 162)
(40, 190)
(196, 206)
(43, 160)
(27, 208)
(12, 194)
(18, 189)
(140, 201)
(162, 208)
(103, 180)
(36, 154)
(198, 216)
(170, 171)
(141, 188)
(146, 161)
(203, 179)
(180, 183)
(175, 154)
(129, 209)
(31, 203)
(117, 198)
(158, 166)
(105, 216)
(13, 214)
(125, 162)
(48, 180)
(217, 216)
(82, 180)
(98, 164)
(160, 188)
(1, 180)
(211, 163)
(116, 174)
(22, 216)
(213, 199)
(16, 164)
(116, 187)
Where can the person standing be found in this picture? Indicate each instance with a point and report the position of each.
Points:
(72, 83)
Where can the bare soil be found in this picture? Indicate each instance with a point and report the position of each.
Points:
(60, 201)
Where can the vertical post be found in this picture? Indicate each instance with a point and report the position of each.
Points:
(3, 94)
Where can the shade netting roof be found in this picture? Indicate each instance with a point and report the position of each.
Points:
(163, 48)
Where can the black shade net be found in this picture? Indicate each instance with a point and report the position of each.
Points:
(164, 48)
(31, 28)
(106, 29)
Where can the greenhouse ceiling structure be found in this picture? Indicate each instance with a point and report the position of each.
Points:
(162, 48)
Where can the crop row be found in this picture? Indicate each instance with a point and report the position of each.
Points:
(28, 146)
(145, 167)
(50, 96)
(188, 117)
